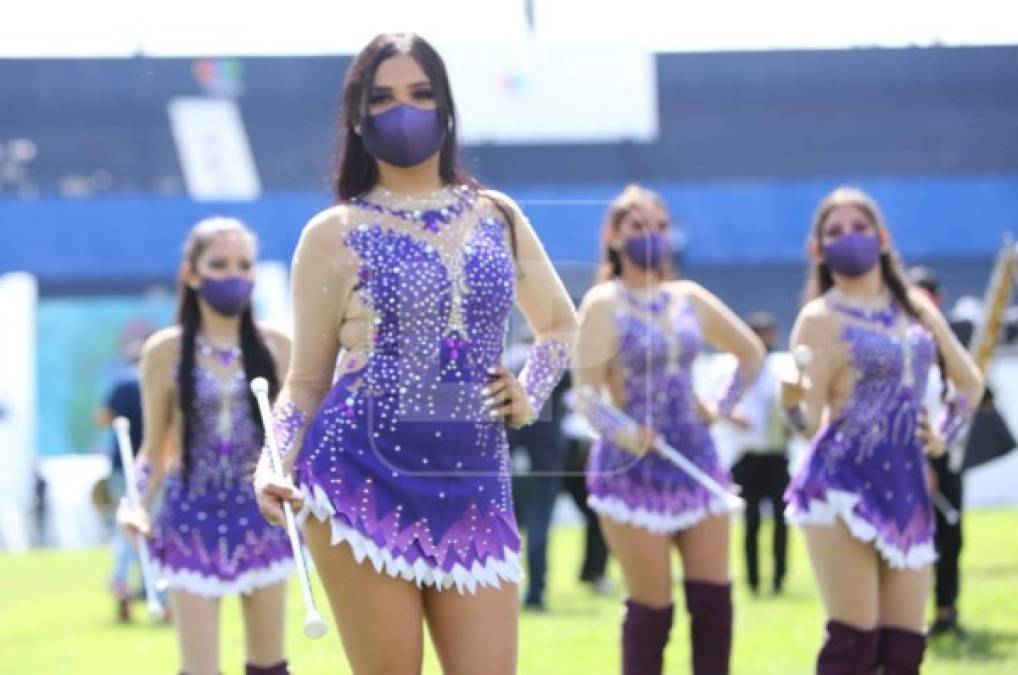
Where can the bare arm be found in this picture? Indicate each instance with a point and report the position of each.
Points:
(281, 351)
(725, 331)
(596, 347)
(596, 343)
(959, 366)
(158, 397)
(321, 279)
(813, 328)
(545, 304)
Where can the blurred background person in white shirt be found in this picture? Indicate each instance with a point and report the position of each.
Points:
(759, 440)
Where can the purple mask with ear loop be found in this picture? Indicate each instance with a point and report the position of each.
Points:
(229, 296)
(853, 254)
(404, 135)
(646, 250)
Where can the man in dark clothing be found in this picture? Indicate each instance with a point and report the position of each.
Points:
(124, 400)
(594, 567)
(762, 471)
(988, 433)
(989, 437)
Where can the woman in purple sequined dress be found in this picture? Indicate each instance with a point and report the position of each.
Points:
(861, 493)
(201, 441)
(640, 332)
(394, 411)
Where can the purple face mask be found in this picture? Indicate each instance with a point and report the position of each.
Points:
(228, 296)
(403, 136)
(647, 250)
(852, 254)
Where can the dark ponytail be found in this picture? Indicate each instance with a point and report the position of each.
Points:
(189, 320)
(258, 362)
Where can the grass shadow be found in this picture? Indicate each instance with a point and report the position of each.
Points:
(977, 645)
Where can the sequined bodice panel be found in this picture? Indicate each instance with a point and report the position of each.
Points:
(226, 438)
(439, 304)
(656, 355)
(890, 384)
(880, 364)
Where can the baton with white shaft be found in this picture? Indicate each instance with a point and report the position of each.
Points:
(732, 501)
(802, 355)
(314, 627)
(122, 428)
(950, 513)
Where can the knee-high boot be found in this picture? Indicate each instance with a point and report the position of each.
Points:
(710, 613)
(644, 636)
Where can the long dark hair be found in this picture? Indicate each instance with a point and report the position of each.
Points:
(356, 171)
(820, 279)
(611, 259)
(256, 357)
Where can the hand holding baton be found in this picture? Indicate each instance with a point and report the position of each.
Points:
(314, 627)
(802, 355)
(122, 428)
(732, 501)
(793, 391)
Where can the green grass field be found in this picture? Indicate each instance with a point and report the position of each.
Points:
(55, 618)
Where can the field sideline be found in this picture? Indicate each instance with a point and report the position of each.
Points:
(56, 618)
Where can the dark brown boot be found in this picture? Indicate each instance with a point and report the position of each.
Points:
(644, 636)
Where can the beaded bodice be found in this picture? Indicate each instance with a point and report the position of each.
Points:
(658, 343)
(439, 285)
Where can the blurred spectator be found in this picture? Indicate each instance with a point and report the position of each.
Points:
(123, 400)
(39, 509)
(595, 550)
(761, 439)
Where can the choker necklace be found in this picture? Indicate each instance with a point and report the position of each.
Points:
(225, 355)
(885, 316)
(653, 306)
(432, 211)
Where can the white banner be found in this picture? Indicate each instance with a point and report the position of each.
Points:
(535, 91)
(213, 148)
(17, 407)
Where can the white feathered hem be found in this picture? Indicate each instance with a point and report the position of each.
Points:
(841, 504)
(214, 587)
(492, 573)
(654, 521)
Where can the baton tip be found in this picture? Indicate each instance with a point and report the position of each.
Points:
(802, 355)
(314, 627)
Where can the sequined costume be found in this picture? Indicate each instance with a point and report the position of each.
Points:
(208, 536)
(398, 453)
(657, 345)
(866, 465)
